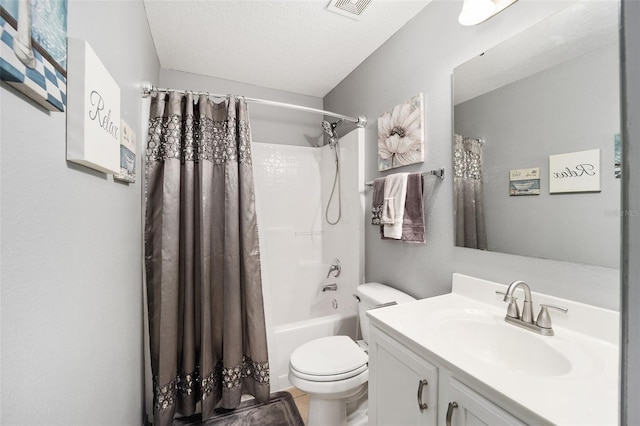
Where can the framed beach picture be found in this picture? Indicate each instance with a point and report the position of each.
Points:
(127, 154)
(401, 135)
(524, 181)
(33, 49)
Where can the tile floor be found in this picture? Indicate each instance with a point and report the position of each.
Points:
(302, 402)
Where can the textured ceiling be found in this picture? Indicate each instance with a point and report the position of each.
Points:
(297, 46)
(572, 32)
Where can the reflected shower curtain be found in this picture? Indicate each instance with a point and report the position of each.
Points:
(206, 316)
(467, 184)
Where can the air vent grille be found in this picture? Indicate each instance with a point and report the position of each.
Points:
(350, 8)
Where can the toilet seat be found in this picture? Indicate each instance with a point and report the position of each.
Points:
(328, 359)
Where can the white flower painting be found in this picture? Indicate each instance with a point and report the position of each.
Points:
(401, 135)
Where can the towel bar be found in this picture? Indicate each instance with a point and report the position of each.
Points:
(436, 172)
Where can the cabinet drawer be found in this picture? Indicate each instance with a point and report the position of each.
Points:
(468, 408)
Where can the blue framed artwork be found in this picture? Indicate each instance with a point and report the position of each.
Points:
(33, 49)
(617, 155)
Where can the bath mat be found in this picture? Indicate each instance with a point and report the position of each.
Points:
(281, 410)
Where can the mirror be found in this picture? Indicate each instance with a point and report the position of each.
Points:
(552, 89)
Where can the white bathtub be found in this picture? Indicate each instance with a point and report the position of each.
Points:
(288, 337)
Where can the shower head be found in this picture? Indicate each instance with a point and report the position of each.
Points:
(330, 130)
(327, 128)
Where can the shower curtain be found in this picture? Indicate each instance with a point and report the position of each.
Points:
(206, 316)
(467, 184)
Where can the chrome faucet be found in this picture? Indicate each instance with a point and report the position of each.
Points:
(542, 324)
(335, 266)
(527, 307)
(330, 287)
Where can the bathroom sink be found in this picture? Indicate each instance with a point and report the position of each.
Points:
(486, 337)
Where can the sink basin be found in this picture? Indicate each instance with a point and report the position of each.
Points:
(486, 337)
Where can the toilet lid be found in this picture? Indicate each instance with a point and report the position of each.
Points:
(329, 356)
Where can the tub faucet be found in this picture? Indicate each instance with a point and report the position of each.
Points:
(335, 266)
(330, 287)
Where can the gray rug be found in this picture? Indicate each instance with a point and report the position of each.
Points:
(281, 410)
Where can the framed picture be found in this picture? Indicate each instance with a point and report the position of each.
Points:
(524, 181)
(127, 154)
(575, 172)
(401, 135)
(33, 49)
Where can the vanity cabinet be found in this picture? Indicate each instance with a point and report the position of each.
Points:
(408, 389)
(403, 388)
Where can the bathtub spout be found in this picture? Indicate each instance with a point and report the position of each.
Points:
(329, 287)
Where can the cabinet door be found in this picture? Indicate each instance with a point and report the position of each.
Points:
(402, 386)
(468, 408)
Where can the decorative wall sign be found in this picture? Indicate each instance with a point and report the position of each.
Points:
(617, 155)
(401, 135)
(127, 154)
(575, 172)
(33, 49)
(524, 181)
(93, 116)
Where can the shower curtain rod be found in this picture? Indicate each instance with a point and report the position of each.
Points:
(148, 88)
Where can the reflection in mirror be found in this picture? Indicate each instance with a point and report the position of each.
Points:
(552, 89)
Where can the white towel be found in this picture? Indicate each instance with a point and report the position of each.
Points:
(395, 194)
(388, 212)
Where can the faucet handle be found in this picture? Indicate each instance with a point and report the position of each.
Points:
(512, 309)
(544, 319)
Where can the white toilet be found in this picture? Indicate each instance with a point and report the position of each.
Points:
(334, 370)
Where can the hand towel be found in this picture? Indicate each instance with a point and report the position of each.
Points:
(413, 221)
(377, 200)
(395, 193)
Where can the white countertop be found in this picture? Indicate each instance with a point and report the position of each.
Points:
(585, 394)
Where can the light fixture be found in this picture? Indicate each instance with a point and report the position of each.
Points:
(477, 11)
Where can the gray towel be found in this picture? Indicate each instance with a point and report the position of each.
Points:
(377, 200)
(413, 220)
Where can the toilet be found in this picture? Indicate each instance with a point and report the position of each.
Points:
(334, 370)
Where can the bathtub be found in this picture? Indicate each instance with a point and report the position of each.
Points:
(287, 337)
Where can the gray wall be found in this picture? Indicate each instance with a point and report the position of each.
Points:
(268, 123)
(571, 107)
(71, 249)
(421, 57)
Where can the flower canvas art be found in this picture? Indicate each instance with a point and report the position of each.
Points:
(401, 135)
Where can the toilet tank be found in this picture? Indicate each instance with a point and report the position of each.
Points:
(373, 294)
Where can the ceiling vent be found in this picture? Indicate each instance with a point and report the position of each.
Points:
(353, 9)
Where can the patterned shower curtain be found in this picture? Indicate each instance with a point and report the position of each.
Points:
(467, 185)
(206, 316)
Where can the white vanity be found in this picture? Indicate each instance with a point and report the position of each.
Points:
(453, 359)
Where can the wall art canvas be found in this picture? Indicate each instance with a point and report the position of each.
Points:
(401, 135)
(127, 154)
(575, 172)
(33, 49)
(617, 140)
(93, 111)
(524, 181)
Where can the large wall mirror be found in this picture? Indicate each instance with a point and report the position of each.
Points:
(552, 89)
